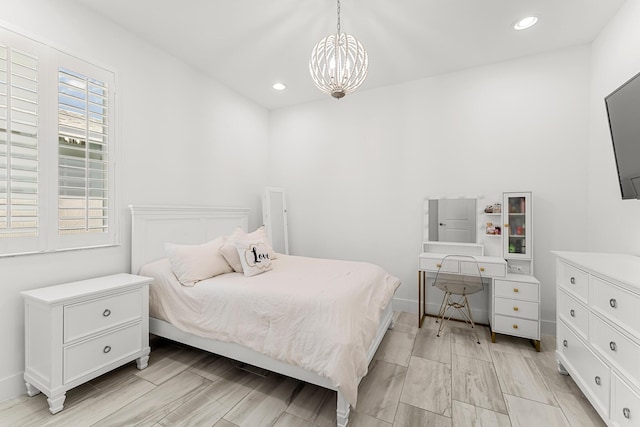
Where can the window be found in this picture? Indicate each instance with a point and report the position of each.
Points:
(57, 163)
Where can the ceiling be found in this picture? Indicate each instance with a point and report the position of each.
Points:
(250, 44)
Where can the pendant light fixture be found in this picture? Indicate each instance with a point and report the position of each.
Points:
(338, 63)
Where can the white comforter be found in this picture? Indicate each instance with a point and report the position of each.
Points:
(319, 314)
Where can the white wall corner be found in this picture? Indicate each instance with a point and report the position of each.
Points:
(12, 387)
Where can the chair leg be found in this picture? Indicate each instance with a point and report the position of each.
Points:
(442, 312)
(473, 325)
(442, 306)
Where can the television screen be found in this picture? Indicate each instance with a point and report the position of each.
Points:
(623, 109)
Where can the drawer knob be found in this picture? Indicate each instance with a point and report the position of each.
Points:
(481, 268)
(516, 290)
(106, 349)
(613, 346)
(573, 280)
(626, 412)
(572, 313)
(515, 308)
(106, 313)
(515, 326)
(438, 265)
(565, 343)
(613, 303)
(598, 381)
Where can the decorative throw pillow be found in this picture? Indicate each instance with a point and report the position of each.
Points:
(193, 263)
(230, 252)
(254, 257)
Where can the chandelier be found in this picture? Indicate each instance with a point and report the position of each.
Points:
(338, 63)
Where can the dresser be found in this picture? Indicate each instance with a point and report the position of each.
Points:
(77, 331)
(598, 330)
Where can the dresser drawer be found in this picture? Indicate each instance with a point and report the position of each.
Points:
(588, 367)
(516, 290)
(516, 327)
(625, 404)
(574, 280)
(516, 308)
(95, 315)
(573, 313)
(89, 356)
(618, 348)
(616, 304)
(487, 269)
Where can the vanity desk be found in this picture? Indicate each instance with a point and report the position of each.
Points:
(452, 226)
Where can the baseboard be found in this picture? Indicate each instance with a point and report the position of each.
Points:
(12, 387)
(548, 327)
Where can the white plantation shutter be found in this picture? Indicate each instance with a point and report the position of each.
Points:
(83, 154)
(57, 156)
(18, 148)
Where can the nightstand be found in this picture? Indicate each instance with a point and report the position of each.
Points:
(77, 331)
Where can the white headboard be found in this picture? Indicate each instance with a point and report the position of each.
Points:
(152, 226)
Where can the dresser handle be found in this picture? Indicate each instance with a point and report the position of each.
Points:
(572, 313)
(613, 346)
(481, 268)
(516, 290)
(515, 308)
(106, 313)
(515, 326)
(438, 265)
(106, 349)
(613, 303)
(627, 413)
(598, 380)
(573, 280)
(565, 343)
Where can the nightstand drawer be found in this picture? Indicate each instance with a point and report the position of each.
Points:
(89, 356)
(516, 290)
(516, 327)
(96, 315)
(517, 308)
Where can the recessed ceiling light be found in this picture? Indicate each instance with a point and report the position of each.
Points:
(279, 86)
(525, 23)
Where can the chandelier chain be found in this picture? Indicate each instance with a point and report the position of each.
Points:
(338, 16)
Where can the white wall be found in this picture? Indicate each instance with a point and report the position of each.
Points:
(614, 224)
(356, 170)
(184, 139)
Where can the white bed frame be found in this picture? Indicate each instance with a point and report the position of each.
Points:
(152, 226)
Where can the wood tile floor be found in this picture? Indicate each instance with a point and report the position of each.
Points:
(416, 379)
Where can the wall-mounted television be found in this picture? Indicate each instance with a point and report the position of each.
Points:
(623, 110)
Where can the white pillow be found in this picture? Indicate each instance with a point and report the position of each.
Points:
(230, 252)
(193, 263)
(254, 257)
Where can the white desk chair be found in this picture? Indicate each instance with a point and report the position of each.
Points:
(456, 288)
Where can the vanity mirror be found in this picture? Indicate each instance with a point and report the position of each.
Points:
(449, 219)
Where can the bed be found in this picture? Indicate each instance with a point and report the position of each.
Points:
(153, 226)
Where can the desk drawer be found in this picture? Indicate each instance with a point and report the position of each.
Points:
(89, 356)
(517, 308)
(516, 327)
(574, 280)
(487, 269)
(619, 349)
(616, 304)
(433, 264)
(573, 312)
(516, 290)
(99, 314)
